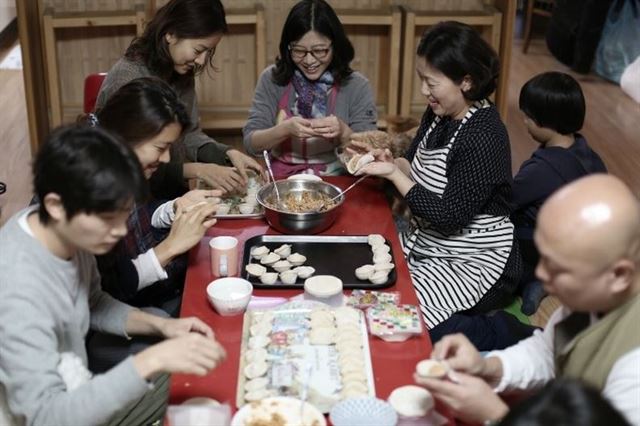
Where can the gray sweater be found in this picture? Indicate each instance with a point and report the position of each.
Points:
(354, 105)
(47, 305)
(126, 70)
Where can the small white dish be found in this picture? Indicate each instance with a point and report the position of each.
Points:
(229, 296)
(360, 411)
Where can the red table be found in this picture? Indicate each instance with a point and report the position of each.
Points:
(365, 211)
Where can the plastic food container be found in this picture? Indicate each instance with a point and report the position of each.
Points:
(324, 288)
(394, 323)
(363, 299)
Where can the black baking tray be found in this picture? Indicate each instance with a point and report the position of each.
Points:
(329, 255)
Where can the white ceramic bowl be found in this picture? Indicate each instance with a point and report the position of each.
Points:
(229, 296)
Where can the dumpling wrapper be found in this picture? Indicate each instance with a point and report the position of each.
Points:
(432, 368)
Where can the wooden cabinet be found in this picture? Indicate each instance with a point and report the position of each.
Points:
(81, 37)
(487, 21)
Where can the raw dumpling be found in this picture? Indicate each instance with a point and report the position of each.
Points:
(269, 259)
(246, 208)
(375, 240)
(288, 277)
(385, 267)
(379, 277)
(304, 272)
(296, 259)
(256, 369)
(364, 272)
(283, 251)
(255, 269)
(281, 265)
(382, 258)
(259, 252)
(358, 161)
(432, 368)
(269, 277)
(382, 248)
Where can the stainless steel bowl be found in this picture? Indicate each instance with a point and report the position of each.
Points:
(299, 223)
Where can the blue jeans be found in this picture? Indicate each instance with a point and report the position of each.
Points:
(487, 332)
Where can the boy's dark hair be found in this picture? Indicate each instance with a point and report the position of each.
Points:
(457, 50)
(564, 402)
(554, 100)
(184, 19)
(140, 109)
(91, 171)
(316, 15)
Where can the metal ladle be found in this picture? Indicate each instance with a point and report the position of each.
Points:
(265, 154)
(341, 193)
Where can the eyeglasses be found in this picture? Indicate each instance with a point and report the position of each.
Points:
(317, 52)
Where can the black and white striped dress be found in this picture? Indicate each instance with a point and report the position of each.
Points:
(461, 234)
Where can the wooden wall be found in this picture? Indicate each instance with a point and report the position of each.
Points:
(82, 51)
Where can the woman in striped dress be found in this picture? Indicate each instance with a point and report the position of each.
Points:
(456, 180)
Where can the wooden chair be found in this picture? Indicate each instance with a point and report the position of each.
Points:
(535, 7)
(92, 85)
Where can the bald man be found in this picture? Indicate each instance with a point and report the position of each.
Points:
(588, 236)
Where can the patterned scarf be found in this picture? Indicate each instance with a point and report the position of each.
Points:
(312, 95)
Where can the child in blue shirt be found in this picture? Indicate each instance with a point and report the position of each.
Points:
(554, 109)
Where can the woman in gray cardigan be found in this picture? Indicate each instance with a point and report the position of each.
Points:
(310, 100)
(178, 44)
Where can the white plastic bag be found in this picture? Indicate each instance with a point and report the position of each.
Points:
(630, 80)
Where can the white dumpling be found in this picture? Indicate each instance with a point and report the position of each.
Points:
(375, 240)
(305, 272)
(379, 277)
(255, 269)
(386, 267)
(281, 265)
(259, 252)
(269, 259)
(283, 251)
(382, 258)
(382, 248)
(269, 278)
(296, 259)
(364, 272)
(288, 277)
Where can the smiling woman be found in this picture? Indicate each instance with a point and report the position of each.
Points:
(310, 100)
(455, 178)
(178, 44)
